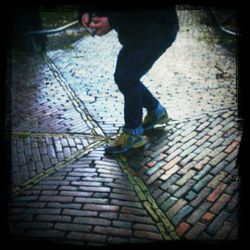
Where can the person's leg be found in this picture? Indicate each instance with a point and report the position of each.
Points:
(132, 63)
(148, 100)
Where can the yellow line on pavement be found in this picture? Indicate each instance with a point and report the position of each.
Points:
(162, 222)
(71, 159)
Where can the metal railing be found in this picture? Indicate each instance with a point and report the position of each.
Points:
(219, 24)
(33, 42)
(51, 31)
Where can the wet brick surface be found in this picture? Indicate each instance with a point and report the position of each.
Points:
(183, 185)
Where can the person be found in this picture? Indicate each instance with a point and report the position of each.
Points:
(144, 35)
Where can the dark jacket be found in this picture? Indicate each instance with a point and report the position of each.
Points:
(138, 24)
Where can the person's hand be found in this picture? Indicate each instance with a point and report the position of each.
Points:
(101, 25)
(85, 20)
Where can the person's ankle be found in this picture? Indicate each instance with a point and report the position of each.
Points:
(158, 110)
(134, 131)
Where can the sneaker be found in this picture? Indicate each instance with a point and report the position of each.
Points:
(152, 119)
(123, 143)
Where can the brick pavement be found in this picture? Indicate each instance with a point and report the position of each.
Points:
(183, 185)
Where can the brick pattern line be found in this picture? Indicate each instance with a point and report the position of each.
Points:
(162, 222)
(29, 162)
(77, 103)
(90, 201)
(24, 134)
(71, 159)
(39, 103)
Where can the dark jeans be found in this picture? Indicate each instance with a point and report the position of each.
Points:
(134, 61)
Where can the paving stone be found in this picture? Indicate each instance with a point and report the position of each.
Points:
(145, 227)
(233, 203)
(123, 232)
(34, 225)
(186, 177)
(58, 145)
(77, 212)
(220, 203)
(195, 231)
(62, 205)
(198, 212)
(108, 215)
(232, 156)
(223, 231)
(51, 151)
(53, 218)
(175, 208)
(55, 198)
(135, 218)
(146, 234)
(130, 210)
(162, 198)
(202, 140)
(45, 234)
(188, 159)
(100, 207)
(216, 192)
(117, 240)
(172, 163)
(217, 159)
(46, 161)
(202, 163)
(92, 221)
(122, 224)
(208, 217)
(125, 203)
(87, 237)
(173, 155)
(36, 154)
(153, 177)
(186, 187)
(170, 172)
(201, 183)
(230, 166)
(182, 228)
(188, 169)
(72, 227)
(156, 167)
(181, 214)
(202, 172)
(169, 182)
(168, 203)
(217, 222)
(216, 180)
(233, 186)
(191, 196)
(188, 151)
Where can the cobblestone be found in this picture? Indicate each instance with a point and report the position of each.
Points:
(217, 222)
(201, 196)
(182, 213)
(183, 184)
(198, 212)
(195, 231)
